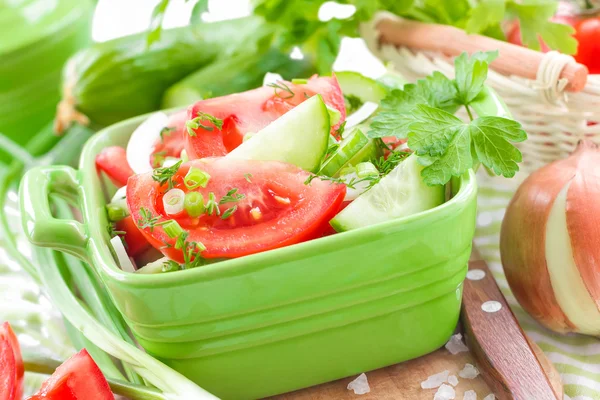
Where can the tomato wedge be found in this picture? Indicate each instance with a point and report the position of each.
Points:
(277, 209)
(251, 111)
(11, 365)
(172, 141)
(113, 161)
(78, 378)
(135, 240)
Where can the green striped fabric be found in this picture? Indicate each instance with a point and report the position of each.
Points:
(576, 357)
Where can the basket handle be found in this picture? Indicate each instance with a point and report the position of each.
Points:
(40, 226)
(451, 41)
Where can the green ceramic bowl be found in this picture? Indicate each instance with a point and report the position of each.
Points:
(283, 319)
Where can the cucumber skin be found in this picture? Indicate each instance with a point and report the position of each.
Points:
(365, 88)
(235, 74)
(122, 78)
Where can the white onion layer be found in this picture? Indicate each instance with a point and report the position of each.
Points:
(122, 256)
(568, 286)
(142, 141)
(361, 114)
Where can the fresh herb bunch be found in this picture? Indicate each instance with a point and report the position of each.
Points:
(445, 145)
(296, 23)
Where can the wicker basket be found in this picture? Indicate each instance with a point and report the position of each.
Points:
(550, 94)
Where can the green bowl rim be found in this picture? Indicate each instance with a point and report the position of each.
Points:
(466, 193)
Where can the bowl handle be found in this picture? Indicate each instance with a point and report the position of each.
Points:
(41, 228)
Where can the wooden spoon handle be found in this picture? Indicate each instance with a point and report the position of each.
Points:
(512, 60)
(505, 357)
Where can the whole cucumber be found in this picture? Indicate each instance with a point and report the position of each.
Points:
(122, 78)
(235, 74)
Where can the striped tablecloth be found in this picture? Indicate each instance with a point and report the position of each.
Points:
(576, 357)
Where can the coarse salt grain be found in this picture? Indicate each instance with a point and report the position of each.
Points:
(436, 380)
(453, 380)
(445, 392)
(455, 345)
(490, 397)
(360, 385)
(470, 395)
(469, 372)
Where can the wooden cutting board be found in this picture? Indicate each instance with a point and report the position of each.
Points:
(400, 381)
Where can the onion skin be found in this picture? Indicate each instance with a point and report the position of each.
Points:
(583, 209)
(522, 241)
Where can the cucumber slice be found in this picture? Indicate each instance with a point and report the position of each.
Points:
(358, 85)
(399, 194)
(300, 137)
(354, 149)
(392, 80)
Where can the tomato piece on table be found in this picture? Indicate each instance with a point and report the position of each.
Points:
(171, 142)
(251, 111)
(78, 378)
(276, 209)
(134, 239)
(113, 162)
(11, 365)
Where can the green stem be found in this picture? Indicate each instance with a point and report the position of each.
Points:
(47, 366)
(469, 112)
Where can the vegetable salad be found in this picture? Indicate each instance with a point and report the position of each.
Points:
(295, 161)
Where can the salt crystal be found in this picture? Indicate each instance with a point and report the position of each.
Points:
(435, 380)
(470, 395)
(490, 397)
(469, 372)
(453, 380)
(445, 392)
(455, 345)
(360, 385)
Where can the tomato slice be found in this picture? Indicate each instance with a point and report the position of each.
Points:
(78, 378)
(251, 111)
(11, 365)
(113, 161)
(171, 142)
(135, 240)
(277, 210)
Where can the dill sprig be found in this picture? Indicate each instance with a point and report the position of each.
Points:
(165, 174)
(166, 131)
(283, 88)
(232, 196)
(196, 123)
(147, 220)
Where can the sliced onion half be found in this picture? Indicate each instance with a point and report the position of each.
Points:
(122, 256)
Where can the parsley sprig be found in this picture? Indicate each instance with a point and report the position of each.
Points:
(203, 120)
(165, 174)
(447, 146)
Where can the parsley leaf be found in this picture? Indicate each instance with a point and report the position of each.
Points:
(486, 14)
(471, 73)
(448, 147)
(534, 17)
(491, 139)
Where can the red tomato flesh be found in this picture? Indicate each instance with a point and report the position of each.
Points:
(78, 378)
(135, 240)
(588, 35)
(11, 365)
(172, 142)
(113, 161)
(253, 110)
(278, 208)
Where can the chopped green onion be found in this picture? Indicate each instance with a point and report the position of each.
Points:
(196, 178)
(115, 213)
(170, 266)
(173, 201)
(364, 169)
(184, 156)
(172, 229)
(194, 204)
(297, 81)
(212, 208)
(334, 116)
